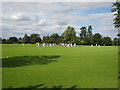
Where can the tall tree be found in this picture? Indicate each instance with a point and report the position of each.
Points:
(26, 39)
(83, 32)
(88, 38)
(69, 35)
(89, 32)
(116, 9)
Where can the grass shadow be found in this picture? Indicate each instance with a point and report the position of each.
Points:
(41, 87)
(20, 61)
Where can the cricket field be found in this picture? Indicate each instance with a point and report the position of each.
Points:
(80, 66)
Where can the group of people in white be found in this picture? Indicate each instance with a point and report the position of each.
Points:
(45, 44)
(63, 44)
(53, 44)
(95, 45)
(68, 44)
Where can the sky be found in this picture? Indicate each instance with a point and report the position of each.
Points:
(46, 18)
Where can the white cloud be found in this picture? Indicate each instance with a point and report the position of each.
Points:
(41, 22)
(17, 16)
(48, 18)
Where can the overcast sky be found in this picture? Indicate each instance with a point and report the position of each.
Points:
(46, 18)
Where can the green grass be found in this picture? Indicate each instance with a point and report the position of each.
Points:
(81, 66)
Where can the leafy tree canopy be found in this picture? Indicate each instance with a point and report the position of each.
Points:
(116, 9)
(69, 34)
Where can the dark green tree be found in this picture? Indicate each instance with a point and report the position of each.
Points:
(19, 40)
(115, 41)
(77, 40)
(116, 9)
(35, 38)
(83, 32)
(89, 32)
(88, 38)
(97, 39)
(86, 35)
(4, 41)
(118, 35)
(69, 35)
(12, 40)
(46, 39)
(26, 39)
(107, 41)
(118, 41)
(55, 38)
(0, 40)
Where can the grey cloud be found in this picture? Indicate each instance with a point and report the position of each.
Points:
(47, 18)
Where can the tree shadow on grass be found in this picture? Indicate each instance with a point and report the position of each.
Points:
(60, 87)
(20, 61)
(42, 87)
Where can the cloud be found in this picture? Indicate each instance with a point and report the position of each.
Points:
(47, 18)
(17, 16)
(41, 22)
(20, 17)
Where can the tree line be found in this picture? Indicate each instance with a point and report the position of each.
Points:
(86, 37)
